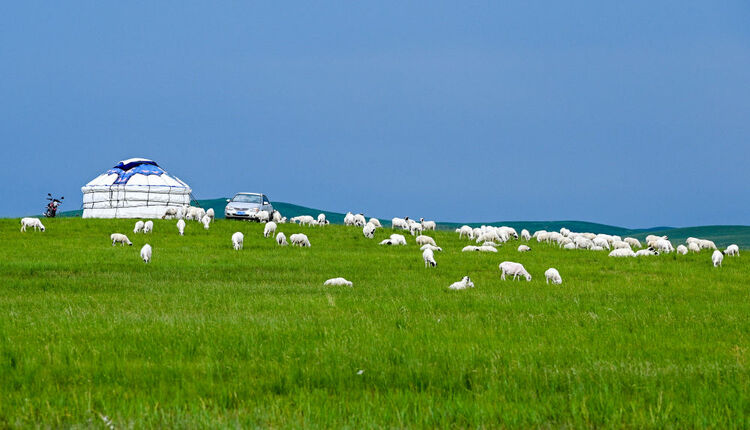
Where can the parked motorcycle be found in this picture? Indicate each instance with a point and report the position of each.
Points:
(52, 206)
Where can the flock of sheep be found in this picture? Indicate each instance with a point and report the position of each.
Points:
(487, 238)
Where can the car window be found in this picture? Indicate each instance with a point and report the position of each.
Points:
(265, 200)
(246, 198)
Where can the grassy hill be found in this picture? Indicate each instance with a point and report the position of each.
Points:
(205, 336)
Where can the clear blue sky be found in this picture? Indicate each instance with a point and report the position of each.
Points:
(628, 113)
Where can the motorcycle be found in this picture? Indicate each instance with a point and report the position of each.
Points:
(51, 209)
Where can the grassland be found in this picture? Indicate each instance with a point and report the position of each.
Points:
(205, 336)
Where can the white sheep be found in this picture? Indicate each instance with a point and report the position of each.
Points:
(321, 219)
(138, 227)
(707, 244)
(31, 222)
(270, 229)
(429, 258)
(663, 245)
(463, 284)
(423, 240)
(525, 235)
(514, 269)
(733, 250)
(682, 250)
(400, 223)
(148, 226)
(338, 281)
(694, 247)
(432, 247)
(470, 248)
(415, 228)
(300, 239)
(647, 251)
(618, 244)
(633, 242)
(428, 225)
(238, 240)
(717, 257)
(622, 252)
(120, 238)
(484, 248)
(262, 216)
(206, 220)
(572, 245)
(523, 248)
(210, 213)
(375, 222)
(553, 275)
(465, 230)
(169, 213)
(276, 216)
(349, 218)
(146, 253)
(281, 239)
(181, 227)
(369, 230)
(398, 239)
(359, 220)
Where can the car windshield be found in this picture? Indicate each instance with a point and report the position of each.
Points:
(246, 198)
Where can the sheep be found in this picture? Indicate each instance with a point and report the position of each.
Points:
(415, 228)
(523, 248)
(717, 257)
(622, 252)
(276, 216)
(238, 240)
(601, 241)
(732, 250)
(707, 244)
(120, 238)
(338, 281)
(470, 248)
(400, 223)
(300, 239)
(359, 220)
(682, 250)
(553, 275)
(663, 245)
(423, 240)
(572, 245)
(199, 214)
(487, 249)
(618, 244)
(694, 247)
(206, 220)
(465, 230)
(432, 247)
(429, 258)
(148, 226)
(428, 225)
(31, 222)
(262, 216)
(645, 252)
(138, 227)
(270, 229)
(369, 230)
(525, 235)
(304, 220)
(322, 219)
(386, 242)
(281, 239)
(515, 269)
(463, 284)
(375, 222)
(398, 239)
(181, 227)
(146, 253)
(211, 214)
(633, 242)
(169, 213)
(349, 219)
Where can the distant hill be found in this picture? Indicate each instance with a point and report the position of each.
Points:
(723, 235)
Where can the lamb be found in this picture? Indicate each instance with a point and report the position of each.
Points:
(682, 250)
(206, 220)
(169, 213)
(525, 235)
(423, 240)
(429, 258)
(633, 242)
(146, 253)
(647, 251)
(138, 227)
(523, 248)
(148, 226)
(515, 269)
(263, 216)
(322, 219)
(432, 247)
(120, 238)
(553, 275)
(732, 250)
(428, 225)
(694, 247)
(181, 227)
(300, 239)
(349, 219)
(717, 257)
(707, 244)
(238, 240)
(463, 284)
(398, 239)
(620, 245)
(338, 281)
(31, 222)
(270, 229)
(304, 220)
(601, 241)
(281, 239)
(210, 213)
(400, 223)
(465, 230)
(375, 222)
(663, 245)
(415, 228)
(276, 216)
(369, 230)
(622, 252)
(359, 220)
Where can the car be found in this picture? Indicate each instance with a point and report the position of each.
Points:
(246, 205)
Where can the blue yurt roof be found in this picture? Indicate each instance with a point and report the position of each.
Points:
(138, 172)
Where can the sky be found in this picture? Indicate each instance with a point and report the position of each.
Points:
(634, 114)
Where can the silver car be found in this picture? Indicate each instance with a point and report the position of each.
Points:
(246, 205)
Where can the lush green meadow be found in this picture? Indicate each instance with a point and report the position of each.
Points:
(205, 336)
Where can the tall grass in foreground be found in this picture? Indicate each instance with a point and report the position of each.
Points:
(205, 336)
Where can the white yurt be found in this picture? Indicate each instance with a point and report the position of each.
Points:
(134, 188)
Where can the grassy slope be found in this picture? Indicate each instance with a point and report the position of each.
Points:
(206, 336)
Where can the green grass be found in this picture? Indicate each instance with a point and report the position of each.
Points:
(206, 336)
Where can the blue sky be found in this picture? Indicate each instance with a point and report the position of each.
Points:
(628, 113)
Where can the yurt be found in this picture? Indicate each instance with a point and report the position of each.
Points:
(134, 188)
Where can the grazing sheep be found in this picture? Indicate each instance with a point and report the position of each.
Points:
(428, 225)
(375, 222)
(484, 248)
(633, 242)
(553, 275)
(206, 220)
(398, 239)
(415, 228)
(707, 244)
(181, 227)
(262, 216)
(304, 220)
(423, 240)
(525, 235)
(238, 240)
(622, 252)
(400, 223)
(270, 229)
(138, 227)
(300, 239)
(322, 219)
(148, 226)
(733, 250)
(572, 245)
(463, 284)
(120, 238)
(31, 222)
(146, 253)
(276, 216)
(386, 242)
(359, 220)
(601, 242)
(618, 244)
(514, 269)
(470, 248)
(432, 247)
(663, 245)
(369, 230)
(717, 257)
(682, 250)
(210, 213)
(429, 258)
(338, 281)
(694, 247)
(349, 218)
(523, 248)
(465, 230)
(647, 251)
(281, 239)
(169, 213)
